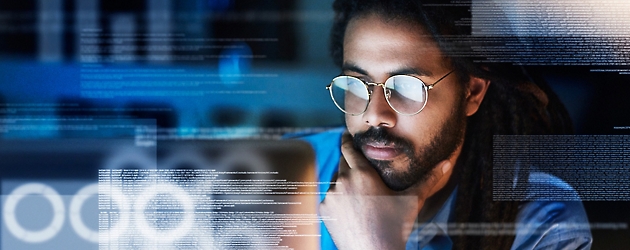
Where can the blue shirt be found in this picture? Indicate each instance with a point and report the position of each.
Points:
(545, 222)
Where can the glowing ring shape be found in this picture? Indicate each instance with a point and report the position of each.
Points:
(164, 236)
(192, 157)
(86, 233)
(27, 235)
(129, 156)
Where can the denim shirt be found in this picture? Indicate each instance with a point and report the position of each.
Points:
(543, 222)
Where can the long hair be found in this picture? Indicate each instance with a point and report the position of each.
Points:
(516, 103)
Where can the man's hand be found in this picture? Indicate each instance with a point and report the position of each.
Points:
(363, 213)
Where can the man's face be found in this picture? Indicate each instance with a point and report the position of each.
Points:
(403, 149)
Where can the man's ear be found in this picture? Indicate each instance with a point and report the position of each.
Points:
(476, 91)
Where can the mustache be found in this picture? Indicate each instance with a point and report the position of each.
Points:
(381, 135)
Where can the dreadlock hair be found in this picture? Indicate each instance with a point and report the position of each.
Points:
(516, 103)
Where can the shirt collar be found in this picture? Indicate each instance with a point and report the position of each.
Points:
(423, 236)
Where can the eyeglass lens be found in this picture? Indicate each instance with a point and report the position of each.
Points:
(405, 94)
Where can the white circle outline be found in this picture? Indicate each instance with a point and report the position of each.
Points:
(164, 236)
(129, 155)
(88, 234)
(27, 235)
(188, 156)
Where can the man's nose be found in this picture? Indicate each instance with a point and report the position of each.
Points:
(379, 113)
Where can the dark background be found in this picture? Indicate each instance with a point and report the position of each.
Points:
(280, 46)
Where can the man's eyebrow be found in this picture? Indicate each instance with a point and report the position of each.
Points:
(410, 71)
(348, 66)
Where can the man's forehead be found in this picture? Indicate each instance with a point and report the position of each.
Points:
(376, 28)
(372, 45)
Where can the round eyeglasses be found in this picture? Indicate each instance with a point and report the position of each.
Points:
(407, 95)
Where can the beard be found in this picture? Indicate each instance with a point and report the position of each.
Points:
(421, 162)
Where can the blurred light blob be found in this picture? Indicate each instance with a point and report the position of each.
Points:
(234, 62)
(49, 194)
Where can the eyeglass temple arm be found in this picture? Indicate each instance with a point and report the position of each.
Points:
(436, 82)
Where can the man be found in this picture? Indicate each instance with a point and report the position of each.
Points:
(413, 169)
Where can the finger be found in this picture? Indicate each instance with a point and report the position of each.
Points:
(353, 157)
(344, 167)
(346, 146)
(333, 182)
